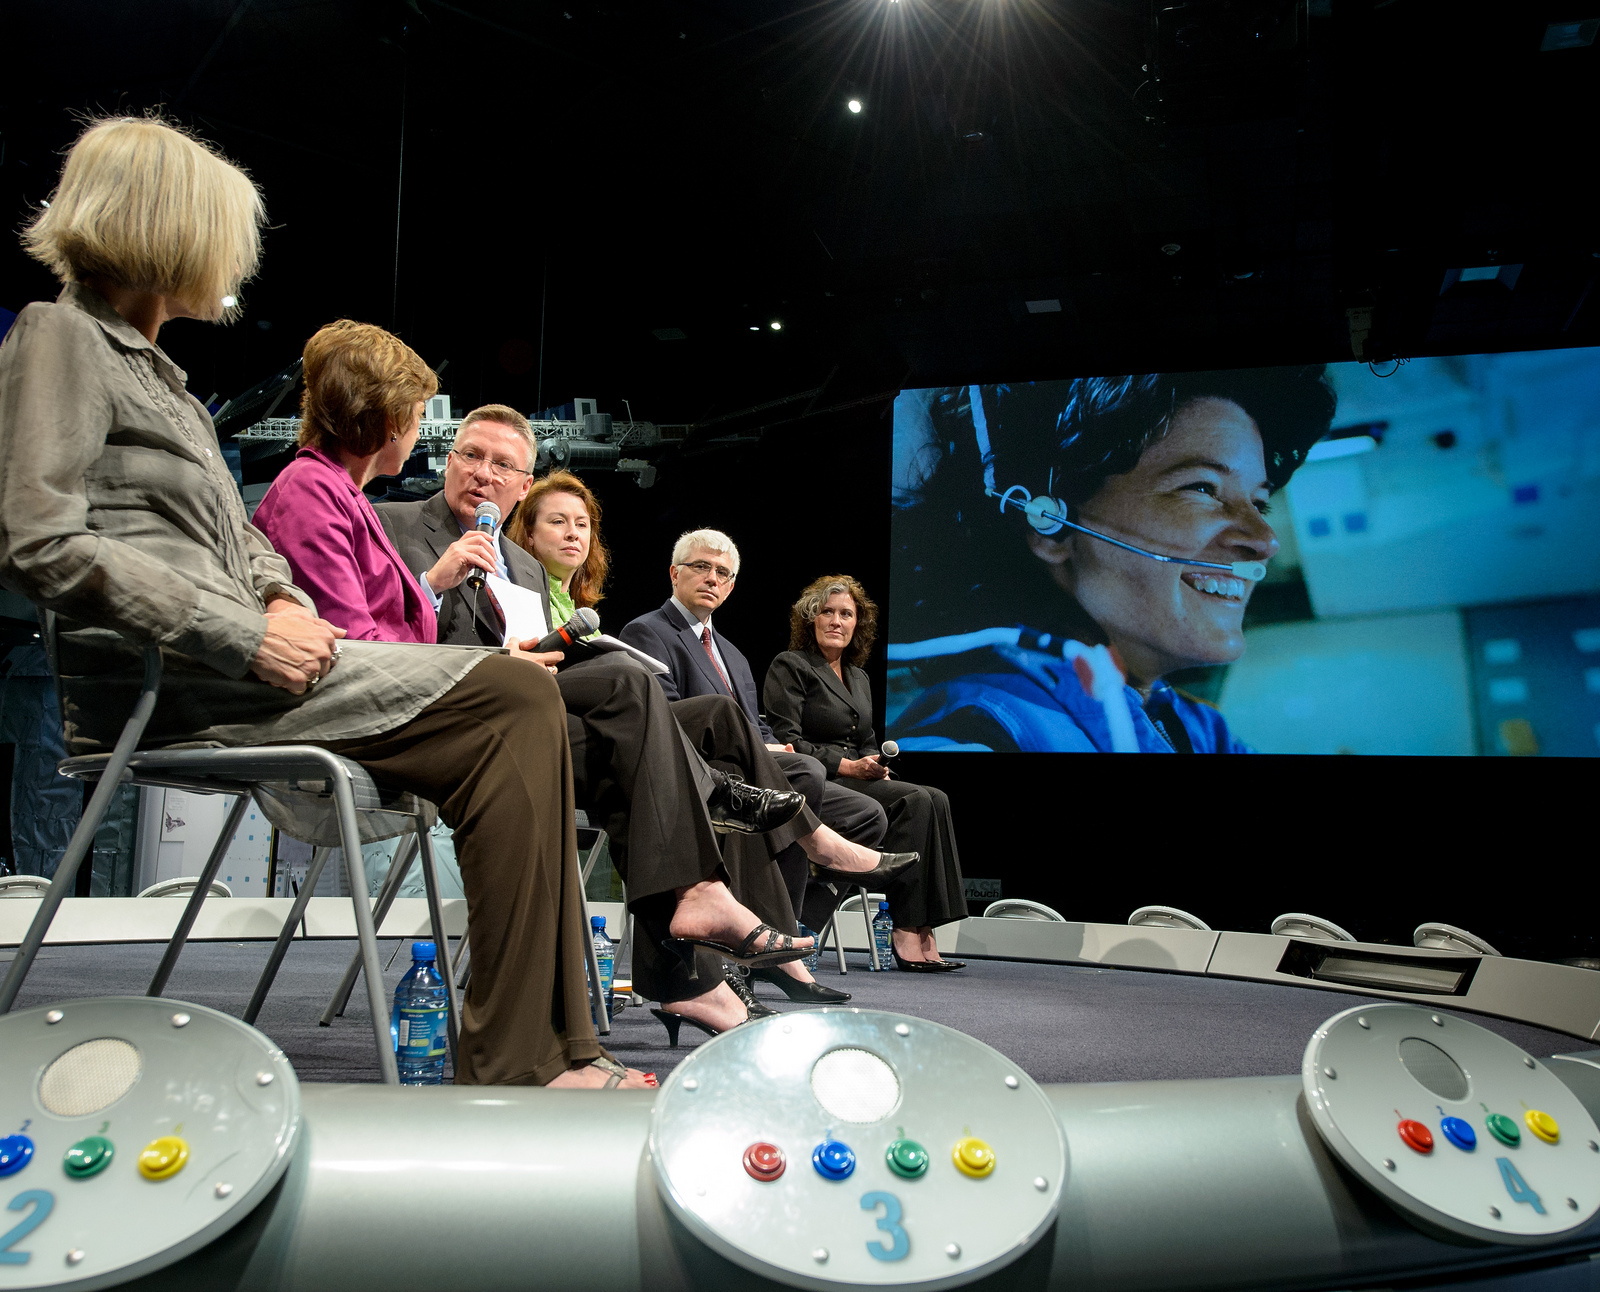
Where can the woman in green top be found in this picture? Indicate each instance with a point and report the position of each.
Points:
(559, 523)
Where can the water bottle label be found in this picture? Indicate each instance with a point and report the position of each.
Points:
(422, 1032)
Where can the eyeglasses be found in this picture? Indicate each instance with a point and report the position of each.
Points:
(498, 467)
(705, 570)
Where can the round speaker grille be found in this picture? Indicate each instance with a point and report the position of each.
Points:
(855, 1085)
(89, 1077)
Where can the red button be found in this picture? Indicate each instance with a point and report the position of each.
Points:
(763, 1161)
(1416, 1136)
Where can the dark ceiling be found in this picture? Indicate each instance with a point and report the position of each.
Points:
(581, 179)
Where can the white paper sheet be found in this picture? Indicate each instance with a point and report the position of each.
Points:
(523, 609)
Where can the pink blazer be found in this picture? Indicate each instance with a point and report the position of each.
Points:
(326, 529)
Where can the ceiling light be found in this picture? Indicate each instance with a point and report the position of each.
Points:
(776, 325)
(754, 328)
(854, 105)
(228, 302)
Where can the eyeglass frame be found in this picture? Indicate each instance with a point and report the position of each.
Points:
(703, 568)
(500, 470)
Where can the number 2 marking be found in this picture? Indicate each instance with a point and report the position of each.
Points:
(1516, 1186)
(43, 1204)
(889, 1222)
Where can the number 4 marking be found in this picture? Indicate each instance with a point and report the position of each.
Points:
(43, 1204)
(1516, 1186)
(889, 1222)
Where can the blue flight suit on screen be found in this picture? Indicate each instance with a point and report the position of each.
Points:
(1017, 700)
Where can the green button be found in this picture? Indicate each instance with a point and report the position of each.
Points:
(907, 1158)
(1504, 1129)
(89, 1157)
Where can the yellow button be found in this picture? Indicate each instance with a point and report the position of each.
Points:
(1543, 1125)
(163, 1158)
(973, 1157)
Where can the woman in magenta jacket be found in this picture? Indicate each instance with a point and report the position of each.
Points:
(316, 515)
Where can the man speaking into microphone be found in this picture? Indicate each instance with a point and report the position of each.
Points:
(628, 747)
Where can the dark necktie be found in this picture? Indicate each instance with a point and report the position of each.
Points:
(705, 640)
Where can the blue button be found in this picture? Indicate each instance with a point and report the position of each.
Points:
(1459, 1133)
(833, 1160)
(16, 1151)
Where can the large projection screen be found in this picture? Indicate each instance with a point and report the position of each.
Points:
(1429, 539)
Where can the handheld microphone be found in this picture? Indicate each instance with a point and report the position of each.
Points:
(583, 622)
(486, 519)
(889, 749)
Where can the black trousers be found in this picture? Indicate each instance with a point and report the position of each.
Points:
(929, 894)
(855, 816)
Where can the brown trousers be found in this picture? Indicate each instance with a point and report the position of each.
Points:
(492, 752)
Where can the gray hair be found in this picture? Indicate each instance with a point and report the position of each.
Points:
(712, 540)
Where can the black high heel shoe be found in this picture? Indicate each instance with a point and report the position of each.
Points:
(890, 866)
(804, 993)
(734, 976)
(774, 948)
(926, 966)
(672, 1022)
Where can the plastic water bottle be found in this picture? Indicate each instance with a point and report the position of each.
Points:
(811, 960)
(605, 951)
(420, 1024)
(883, 937)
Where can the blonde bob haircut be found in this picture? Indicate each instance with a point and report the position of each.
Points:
(803, 617)
(362, 386)
(146, 206)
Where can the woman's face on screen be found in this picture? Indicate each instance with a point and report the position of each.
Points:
(560, 533)
(1200, 491)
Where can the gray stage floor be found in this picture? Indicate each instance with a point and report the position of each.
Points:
(1059, 1023)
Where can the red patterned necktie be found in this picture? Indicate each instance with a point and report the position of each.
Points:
(705, 640)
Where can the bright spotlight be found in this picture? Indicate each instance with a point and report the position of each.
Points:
(754, 328)
(854, 105)
(775, 325)
(228, 302)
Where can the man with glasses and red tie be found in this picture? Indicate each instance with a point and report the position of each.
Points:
(705, 565)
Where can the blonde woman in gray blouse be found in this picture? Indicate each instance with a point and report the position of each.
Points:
(117, 512)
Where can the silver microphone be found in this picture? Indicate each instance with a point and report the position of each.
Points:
(486, 519)
(887, 750)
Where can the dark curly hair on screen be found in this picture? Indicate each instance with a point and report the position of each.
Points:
(962, 561)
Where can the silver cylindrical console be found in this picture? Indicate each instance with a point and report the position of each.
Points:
(854, 1148)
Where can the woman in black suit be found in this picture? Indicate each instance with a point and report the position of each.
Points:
(819, 701)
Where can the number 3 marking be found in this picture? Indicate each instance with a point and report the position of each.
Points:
(889, 1222)
(1516, 1186)
(43, 1204)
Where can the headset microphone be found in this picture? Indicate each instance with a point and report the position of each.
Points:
(1051, 515)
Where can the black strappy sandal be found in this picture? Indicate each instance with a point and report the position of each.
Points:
(778, 948)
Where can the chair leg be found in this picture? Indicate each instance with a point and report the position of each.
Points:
(441, 936)
(461, 966)
(350, 838)
(308, 885)
(597, 997)
(866, 918)
(838, 941)
(83, 837)
(191, 910)
(405, 851)
(601, 838)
